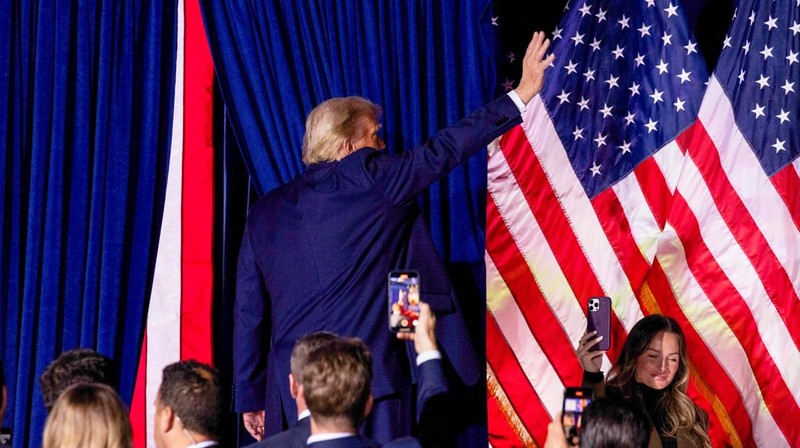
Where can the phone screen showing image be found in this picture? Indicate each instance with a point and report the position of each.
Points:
(403, 300)
(575, 401)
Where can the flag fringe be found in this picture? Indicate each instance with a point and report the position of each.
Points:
(496, 391)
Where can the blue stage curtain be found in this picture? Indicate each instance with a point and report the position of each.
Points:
(427, 63)
(86, 93)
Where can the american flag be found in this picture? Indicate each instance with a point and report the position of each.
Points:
(611, 187)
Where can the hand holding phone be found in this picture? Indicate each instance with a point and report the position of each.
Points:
(404, 291)
(555, 434)
(575, 400)
(424, 334)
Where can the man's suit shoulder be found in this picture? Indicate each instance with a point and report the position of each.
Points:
(294, 437)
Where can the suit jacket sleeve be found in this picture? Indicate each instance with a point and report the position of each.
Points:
(401, 178)
(436, 407)
(251, 330)
(431, 383)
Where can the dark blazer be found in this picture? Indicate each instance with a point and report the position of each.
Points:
(347, 442)
(316, 253)
(431, 383)
(294, 437)
(437, 425)
(363, 442)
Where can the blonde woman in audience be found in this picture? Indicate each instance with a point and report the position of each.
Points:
(88, 415)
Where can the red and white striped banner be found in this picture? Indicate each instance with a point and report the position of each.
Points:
(179, 320)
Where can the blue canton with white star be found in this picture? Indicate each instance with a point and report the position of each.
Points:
(627, 80)
(759, 69)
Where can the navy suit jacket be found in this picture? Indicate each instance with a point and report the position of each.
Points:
(347, 442)
(431, 384)
(363, 442)
(316, 253)
(294, 437)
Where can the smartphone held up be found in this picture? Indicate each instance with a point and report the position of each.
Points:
(404, 290)
(598, 318)
(575, 401)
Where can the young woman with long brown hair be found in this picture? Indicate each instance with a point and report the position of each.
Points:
(652, 372)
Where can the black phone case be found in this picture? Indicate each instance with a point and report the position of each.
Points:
(598, 318)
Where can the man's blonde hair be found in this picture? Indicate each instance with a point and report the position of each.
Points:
(331, 123)
(88, 415)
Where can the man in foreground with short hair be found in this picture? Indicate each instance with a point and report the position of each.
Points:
(79, 365)
(297, 435)
(336, 385)
(188, 406)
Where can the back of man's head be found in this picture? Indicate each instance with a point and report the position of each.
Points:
(614, 423)
(194, 393)
(80, 365)
(306, 345)
(332, 122)
(336, 381)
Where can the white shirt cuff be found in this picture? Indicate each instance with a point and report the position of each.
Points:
(428, 355)
(517, 101)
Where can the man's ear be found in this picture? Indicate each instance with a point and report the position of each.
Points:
(294, 387)
(166, 417)
(368, 407)
(346, 148)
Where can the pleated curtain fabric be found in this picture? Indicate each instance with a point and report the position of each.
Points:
(86, 90)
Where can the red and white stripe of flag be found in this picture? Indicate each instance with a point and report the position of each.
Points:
(179, 316)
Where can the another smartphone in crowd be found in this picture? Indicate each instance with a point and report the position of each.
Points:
(575, 400)
(598, 318)
(403, 300)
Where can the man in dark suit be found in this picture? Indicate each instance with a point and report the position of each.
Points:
(337, 380)
(316, 252)
(432, 387)
(189, 406)
(296, 436)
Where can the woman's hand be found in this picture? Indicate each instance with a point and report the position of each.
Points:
(590, 360)
(555, 434)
